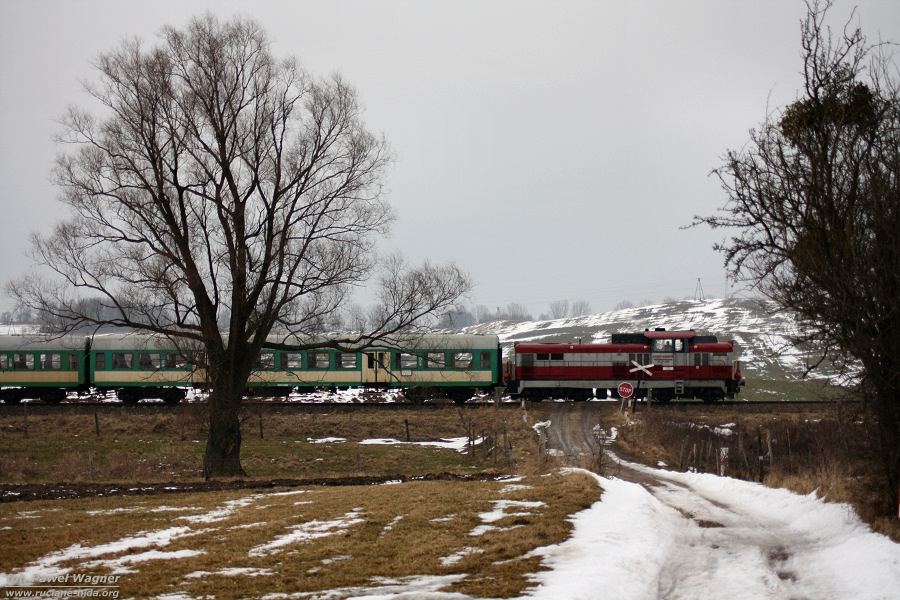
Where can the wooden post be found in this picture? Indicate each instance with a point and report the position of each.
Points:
(25, 413)
(96, 424)
(260, 425)
(506, 447)
(407, 430)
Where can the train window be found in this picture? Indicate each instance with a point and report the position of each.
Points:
(73, 362)
(266, 361)
(122, 360)
(435, 360)
(177, 361)
(318, 360)
(485, 360)
(51, 362)
(23, 362)
(347, 360)
(149, 361)
(4, 362)
(462, 360)
(543, 356)
(100, 362)
(407, 361)
(556, 356)
(291, 361)
(701, 359)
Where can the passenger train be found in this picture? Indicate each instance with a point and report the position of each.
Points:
(666, 364)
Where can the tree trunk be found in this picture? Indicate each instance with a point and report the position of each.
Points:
(223, 445)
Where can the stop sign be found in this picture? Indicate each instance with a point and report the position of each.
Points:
(625, 390)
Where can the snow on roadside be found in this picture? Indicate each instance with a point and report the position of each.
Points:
(632, 545)
(830, 544)
(616, 550)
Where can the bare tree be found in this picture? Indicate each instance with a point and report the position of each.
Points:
(581, 308)
(483, 314)
(221, 185)
(814, 203)
(623, 305)
(517, 312)
(559, 309)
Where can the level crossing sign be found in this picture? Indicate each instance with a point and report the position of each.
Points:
(639, 367)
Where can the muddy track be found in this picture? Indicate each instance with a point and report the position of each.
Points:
(39, 491)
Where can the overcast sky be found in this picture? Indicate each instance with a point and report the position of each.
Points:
(552, 149)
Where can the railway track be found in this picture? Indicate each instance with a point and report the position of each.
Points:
(39, 408)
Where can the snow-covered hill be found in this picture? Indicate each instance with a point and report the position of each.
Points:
(761, 333)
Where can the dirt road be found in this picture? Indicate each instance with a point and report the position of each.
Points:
(711, 534)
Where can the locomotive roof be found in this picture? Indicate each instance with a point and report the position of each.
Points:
(555, 347)
(675, 335)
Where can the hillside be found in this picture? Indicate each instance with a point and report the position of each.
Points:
(759, 331)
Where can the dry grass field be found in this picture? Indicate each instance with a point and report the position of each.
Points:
(469, 536)
(153, 445)
(473, 537)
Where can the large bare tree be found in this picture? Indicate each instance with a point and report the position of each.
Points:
(814, 200)
(219, 194)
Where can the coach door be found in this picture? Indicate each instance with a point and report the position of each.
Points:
(375, 370)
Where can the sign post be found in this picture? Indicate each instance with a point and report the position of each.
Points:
(641, 370)
(625, 392)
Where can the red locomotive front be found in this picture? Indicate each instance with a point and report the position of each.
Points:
(665, 364)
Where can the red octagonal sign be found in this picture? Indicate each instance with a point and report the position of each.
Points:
(625, 390)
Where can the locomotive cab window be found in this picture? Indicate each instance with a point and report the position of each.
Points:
(666, 345)
(23, 362)
(462, 360)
